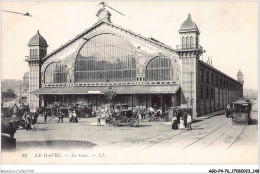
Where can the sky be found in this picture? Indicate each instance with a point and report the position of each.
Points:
(228, 30)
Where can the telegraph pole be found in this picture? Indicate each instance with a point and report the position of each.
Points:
(20, 92)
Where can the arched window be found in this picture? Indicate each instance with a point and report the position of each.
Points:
(188, 42)
(191, 42)
(183, 43)
(36, 53)
(31, 53)
(55, 73)
(159, 69)
(105, 58)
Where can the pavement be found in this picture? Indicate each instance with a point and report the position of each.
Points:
(213, 140)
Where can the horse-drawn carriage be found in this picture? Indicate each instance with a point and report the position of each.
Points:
(125, 117)
(156, 115)
(83, 109)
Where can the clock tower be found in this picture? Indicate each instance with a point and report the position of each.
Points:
(103, 15)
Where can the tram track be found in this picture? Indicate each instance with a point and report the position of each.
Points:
(218, 137)
(205, 135)
(237, 137)
(188, 132)
(160, 138)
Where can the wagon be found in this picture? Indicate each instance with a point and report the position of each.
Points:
(125, 117)
(241, 112)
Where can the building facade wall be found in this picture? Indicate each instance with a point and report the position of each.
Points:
(215, 89)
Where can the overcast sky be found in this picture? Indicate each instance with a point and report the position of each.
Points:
(228, 29)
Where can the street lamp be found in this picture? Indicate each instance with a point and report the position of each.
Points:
(191, 103)
(187, 99)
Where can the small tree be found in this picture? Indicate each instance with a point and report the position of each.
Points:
(9, 93)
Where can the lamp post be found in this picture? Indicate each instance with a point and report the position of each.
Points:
(187, 99)
(191, 103)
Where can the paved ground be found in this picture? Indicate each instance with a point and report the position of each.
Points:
(212, 141)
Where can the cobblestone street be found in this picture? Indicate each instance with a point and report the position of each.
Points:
(212, 140)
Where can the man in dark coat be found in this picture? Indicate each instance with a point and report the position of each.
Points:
(45, 116)
(185, 119)
(60, 117)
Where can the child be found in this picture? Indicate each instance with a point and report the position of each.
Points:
(181, 123)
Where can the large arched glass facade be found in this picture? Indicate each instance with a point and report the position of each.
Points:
(105, 58)
(55, 73)
(159, 69)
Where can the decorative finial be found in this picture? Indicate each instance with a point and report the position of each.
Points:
(38, 32)
(189, 16)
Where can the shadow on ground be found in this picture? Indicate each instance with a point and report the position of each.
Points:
(143, 125)
(55, 144)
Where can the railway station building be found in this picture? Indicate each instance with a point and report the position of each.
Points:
(141, 71)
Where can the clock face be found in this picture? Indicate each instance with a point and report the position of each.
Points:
(102, 14)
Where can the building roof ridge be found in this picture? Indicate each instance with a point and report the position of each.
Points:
(112, 24)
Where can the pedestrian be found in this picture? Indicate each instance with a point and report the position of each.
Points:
(174, 123)
(99, 117)
(189, 119)
(181, 123)
(75, 119)
(45, 115)
(177, 114)
(185, 119)
(71, 116)
(228, 110)
(60, 117)
(34, 121)
(27, 122)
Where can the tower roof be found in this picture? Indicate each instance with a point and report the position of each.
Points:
(37, 39)
(239, 73)
(189, 25)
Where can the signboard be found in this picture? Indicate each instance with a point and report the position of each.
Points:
(94, 92)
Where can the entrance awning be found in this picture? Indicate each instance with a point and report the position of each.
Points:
(165, 89)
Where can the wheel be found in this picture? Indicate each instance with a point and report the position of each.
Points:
(131, 122)
(136, 122)
(115, 122)
(118, 122)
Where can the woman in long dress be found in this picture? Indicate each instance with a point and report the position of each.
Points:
(181, 123)
(174, 123)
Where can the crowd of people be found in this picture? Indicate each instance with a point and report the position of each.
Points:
(106, 113)
(179, 122)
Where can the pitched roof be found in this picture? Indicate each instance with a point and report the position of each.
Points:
(113, 25)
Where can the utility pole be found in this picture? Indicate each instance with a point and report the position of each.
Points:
(20, 93)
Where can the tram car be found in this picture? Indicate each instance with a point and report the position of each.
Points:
(241, 112)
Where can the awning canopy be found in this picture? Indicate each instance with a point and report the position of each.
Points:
(164, 89)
